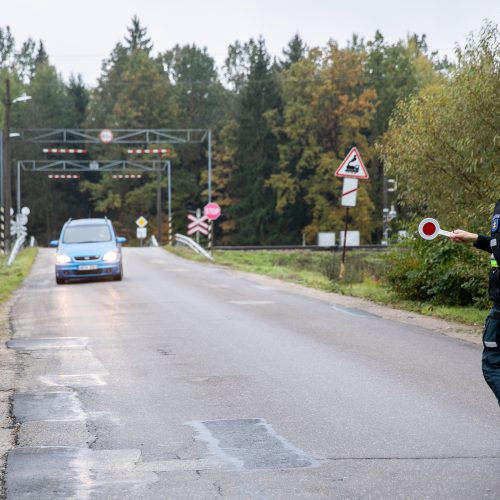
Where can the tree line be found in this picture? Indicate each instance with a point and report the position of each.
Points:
(280, 128)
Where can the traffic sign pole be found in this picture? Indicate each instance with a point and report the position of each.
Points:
(351, 169)
(342, 262)
(2, 231)
(169, 194)
(210, 236)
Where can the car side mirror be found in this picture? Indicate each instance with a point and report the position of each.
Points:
(121, 239)
(54, 243)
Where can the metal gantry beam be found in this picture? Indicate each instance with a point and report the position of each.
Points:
(120, 136)
(91, 165)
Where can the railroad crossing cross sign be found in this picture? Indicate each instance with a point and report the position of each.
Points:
(18, 223)
(141, 221)
(352, 166)
(197, 225)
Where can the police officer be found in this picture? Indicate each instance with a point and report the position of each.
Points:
(491, 335)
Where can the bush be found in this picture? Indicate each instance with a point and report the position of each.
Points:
(439, 272)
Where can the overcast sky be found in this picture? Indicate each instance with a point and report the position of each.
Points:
(79, 35)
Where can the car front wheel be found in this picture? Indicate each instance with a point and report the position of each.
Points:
(119, 276)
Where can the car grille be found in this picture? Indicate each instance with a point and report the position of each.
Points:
(92, 271)
(87, 258)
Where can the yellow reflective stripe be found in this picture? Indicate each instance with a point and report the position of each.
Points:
(494, 263)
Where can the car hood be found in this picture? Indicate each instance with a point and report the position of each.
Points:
(83, 249)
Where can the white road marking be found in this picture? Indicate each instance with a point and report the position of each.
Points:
(79, 380)
(353, 312)
(252, 302)
(262, 287)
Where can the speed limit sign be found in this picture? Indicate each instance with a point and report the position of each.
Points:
(106, 136)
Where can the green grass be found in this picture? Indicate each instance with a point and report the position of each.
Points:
(319, 270)
(11, 277)
(378, 292)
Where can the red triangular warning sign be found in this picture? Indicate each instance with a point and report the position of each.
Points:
(352, 166)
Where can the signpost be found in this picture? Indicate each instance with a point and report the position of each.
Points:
(141, 231)
(213, 212)
(351, 169)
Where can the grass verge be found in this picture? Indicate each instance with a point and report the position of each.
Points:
(319, 270)
(11, 277)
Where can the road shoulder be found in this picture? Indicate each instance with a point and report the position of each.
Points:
(451, 329)
(7, 374)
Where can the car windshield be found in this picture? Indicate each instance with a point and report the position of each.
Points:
(87, 234)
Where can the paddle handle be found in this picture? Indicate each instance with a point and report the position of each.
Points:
(442, 232)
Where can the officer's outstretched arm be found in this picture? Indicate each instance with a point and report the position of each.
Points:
(461, 236)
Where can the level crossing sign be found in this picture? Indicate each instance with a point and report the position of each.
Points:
(197, 224)
(352, 166)
(349, 190)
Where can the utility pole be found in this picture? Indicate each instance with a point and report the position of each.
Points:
(169, 194)
(7, 171)
(388, 214)
(385, 212)
(158, 200)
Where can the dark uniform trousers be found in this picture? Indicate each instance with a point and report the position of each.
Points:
(491, 352)
(491, 334)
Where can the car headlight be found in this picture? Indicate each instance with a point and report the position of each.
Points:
(62, 259)
(111, 256)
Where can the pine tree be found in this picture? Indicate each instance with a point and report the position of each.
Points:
(295, 52)
(80, 96)
(256, 153)
(7, 45)
(137, 39)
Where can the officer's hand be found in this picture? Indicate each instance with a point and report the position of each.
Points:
(461, 236)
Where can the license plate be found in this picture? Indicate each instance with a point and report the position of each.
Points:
(87, 268)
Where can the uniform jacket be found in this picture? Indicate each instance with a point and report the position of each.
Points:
(492, 244)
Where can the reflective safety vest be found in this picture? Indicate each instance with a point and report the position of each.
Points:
(493, 263)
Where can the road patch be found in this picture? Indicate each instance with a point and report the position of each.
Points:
(250, 444)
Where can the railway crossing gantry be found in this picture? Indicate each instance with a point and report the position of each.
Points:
(144, 137)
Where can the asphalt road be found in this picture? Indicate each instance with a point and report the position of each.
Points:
(186, 380)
